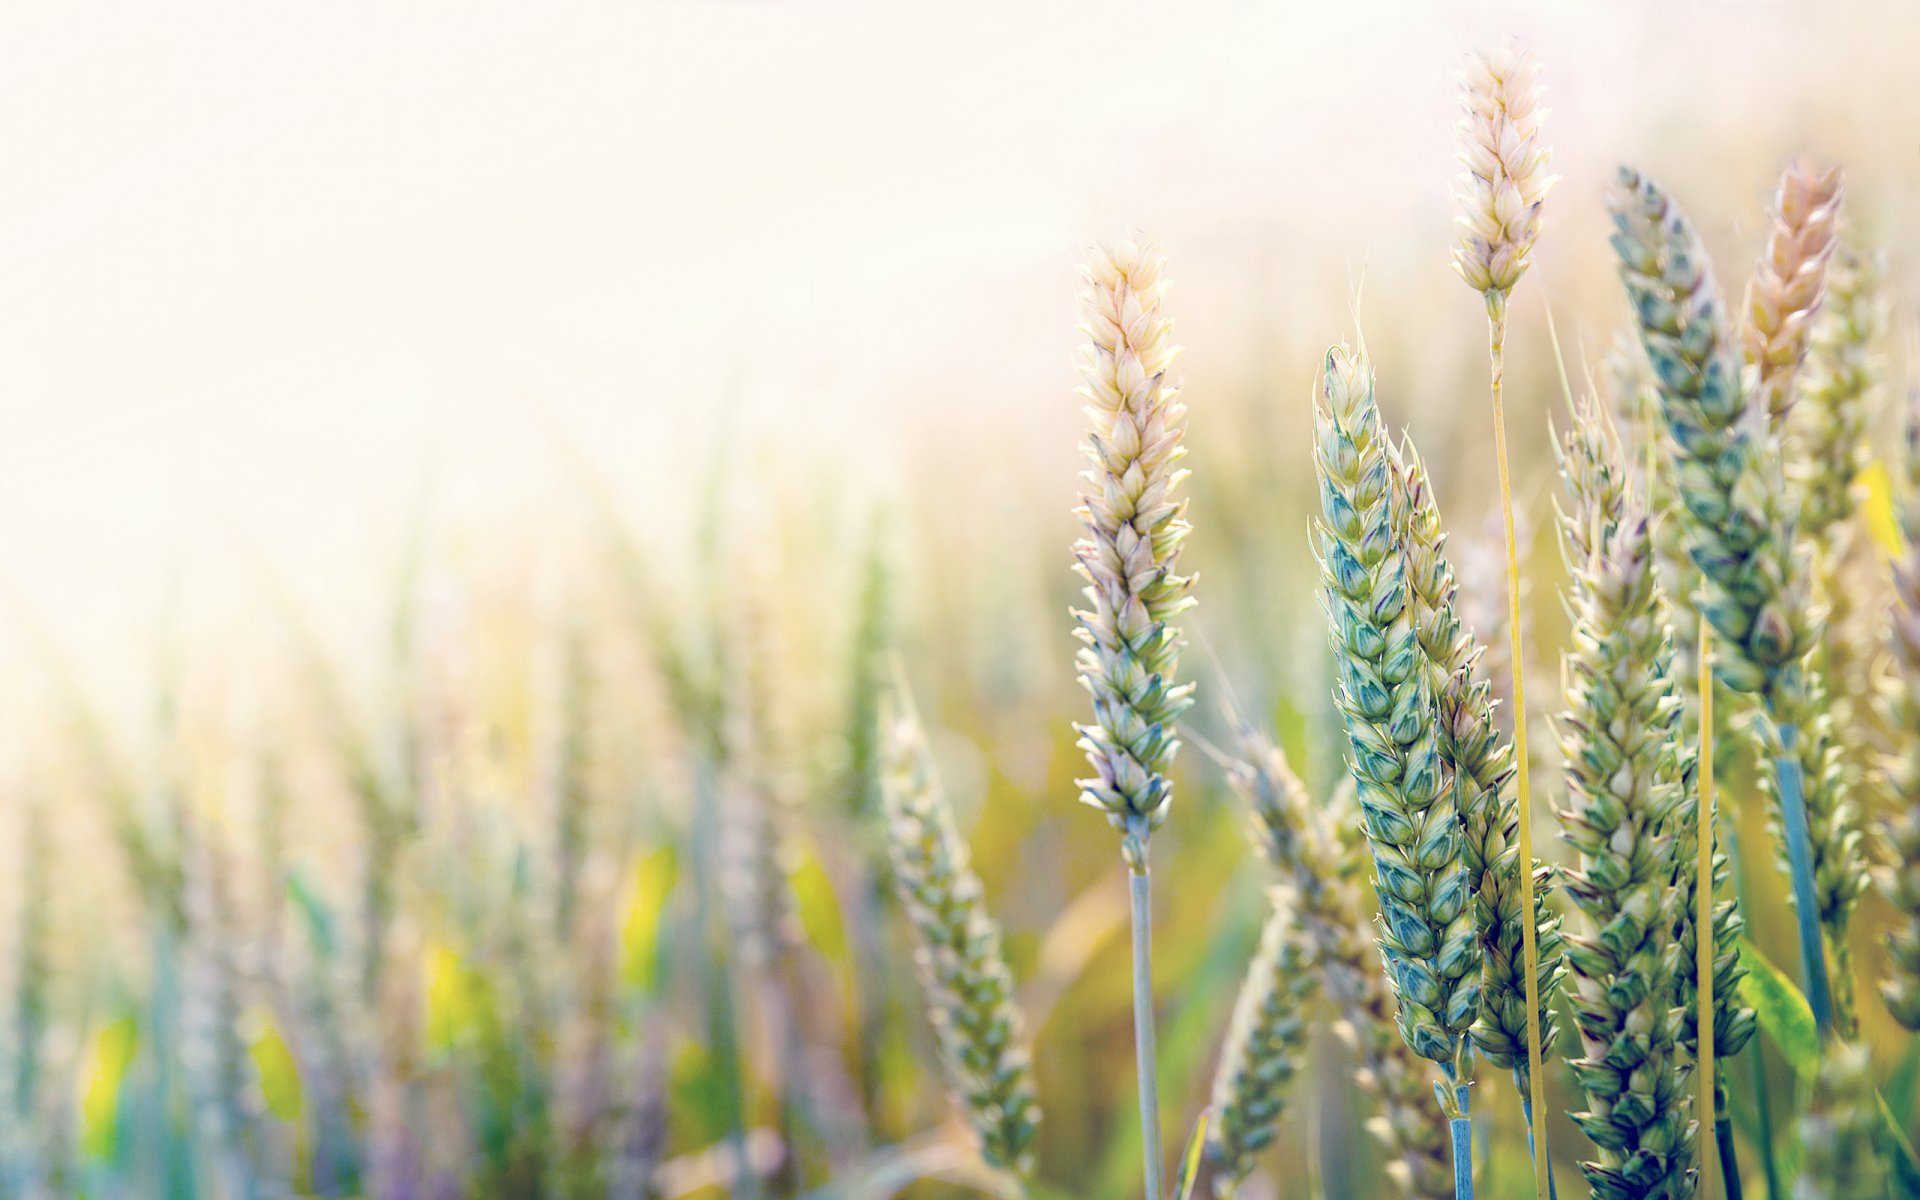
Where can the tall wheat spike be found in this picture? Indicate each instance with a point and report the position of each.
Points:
(1740, 533)
(1384, 692)
(969, 988)
(1500, 196)
(1319, 853)
(1481, 763)
(1621, 738)
(1130, 647)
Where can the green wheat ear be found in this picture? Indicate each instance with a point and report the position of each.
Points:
(1740, 533)
(1900, 709)
(1427, 934)
(1621, 739)
(969, 988)
(1481, 762)
(1840, 1157)
(1265, 1044)
(1320, 855)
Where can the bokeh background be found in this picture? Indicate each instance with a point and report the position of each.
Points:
(462, 468)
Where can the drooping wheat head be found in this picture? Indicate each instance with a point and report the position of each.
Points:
(1266, 1041)
(1505, 183)
(969, 988)
(1840, 1159)
(1789, 282)
(1319, 854)
(1480, 762)
(1134, 527)
(1621, 738)
(1384, 692)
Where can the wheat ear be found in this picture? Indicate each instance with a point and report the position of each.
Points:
(1621, 738)
(1319, 854)
(1840, 1159)
(1900, 709)
(1481, 762)
(1427, 935)
(1740, 534)
(969, 988)
(1500, 196)
(1265, 1043)
(1789, 282)
(1130, 647)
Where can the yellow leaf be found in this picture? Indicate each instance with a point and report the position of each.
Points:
(1877, 509)
(106, 1064)
(649, 883)
(279, 1074)
(819, 906)
(445, 997)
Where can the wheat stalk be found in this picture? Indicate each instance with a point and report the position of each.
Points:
(1319, 853)
(1789, 282)
(1500, 196)
(1265, 1042)
(1130, 647)
(1427, 934)
(1621, 738)
(969, 988)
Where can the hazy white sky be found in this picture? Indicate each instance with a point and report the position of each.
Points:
(264, 268)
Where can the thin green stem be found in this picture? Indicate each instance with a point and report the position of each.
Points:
(1526, 1107)
(1729, 1168)
(1806, 905)
(1140, 887)
(1461, 1126)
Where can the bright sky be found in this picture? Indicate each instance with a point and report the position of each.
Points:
(264, 269)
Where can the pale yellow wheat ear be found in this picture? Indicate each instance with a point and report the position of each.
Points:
(1790, 281)
(1500, 197)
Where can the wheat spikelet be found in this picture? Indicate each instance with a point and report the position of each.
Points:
(1481, 764)
(1621, 740)
(1830, 427)
(1506, 181)
(1427, 933)
(1789, 282)
(1134, 527)
(1900, 708)
(1319, 854)
(969, 989)
(1265, 1042)
(1839, 1156)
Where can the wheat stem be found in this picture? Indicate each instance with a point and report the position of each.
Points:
(1806, 910)
(1529, 936)
(1703, 908)
(1140, 890)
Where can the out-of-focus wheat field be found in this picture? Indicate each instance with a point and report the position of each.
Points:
(467, 472)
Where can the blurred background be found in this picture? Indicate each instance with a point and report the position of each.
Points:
(463, 470)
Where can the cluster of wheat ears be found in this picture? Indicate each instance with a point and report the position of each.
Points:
(1710, 513)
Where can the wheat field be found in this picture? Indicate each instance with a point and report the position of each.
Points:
(733, 600)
